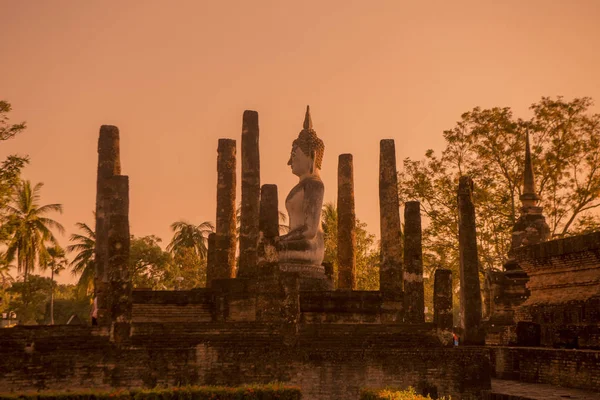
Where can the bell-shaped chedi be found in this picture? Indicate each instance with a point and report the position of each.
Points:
(506, 290)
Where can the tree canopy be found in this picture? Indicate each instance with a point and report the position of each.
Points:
(489, 145)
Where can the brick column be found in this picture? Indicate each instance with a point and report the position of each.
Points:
(442, 299)
(224, 253)
(211, 272)
(390, 273)
(346, 240)
(118, 298)
(250, 195)
(269, 227)
(109, 165)
(470, 291)
(414, 302)
(269, 212)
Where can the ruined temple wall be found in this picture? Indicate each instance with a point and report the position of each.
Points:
(564, 280)
(324, 366)
(237, 300)
(569, 368)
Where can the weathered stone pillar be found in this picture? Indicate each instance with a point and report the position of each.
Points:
(211, 272)
(250, 195)
(470, 291)
(225, 227)
(414, 302)
(346, 240)
(390, 273)
(269, 228)
(442, 299)
(109, 165)
(118, 298)
(269, 212)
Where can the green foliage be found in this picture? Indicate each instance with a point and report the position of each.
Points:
(189, 236)
(367, 256)
(84, 245)
(249, 392)
(188, 270)
(30, 310)
(393, 394)
(10, 168)
(28, 228)
(489, 145)
(149, 263)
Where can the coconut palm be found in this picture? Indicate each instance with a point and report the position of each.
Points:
(187, 235)
(29, 229)
(56, 261)
(83, 263)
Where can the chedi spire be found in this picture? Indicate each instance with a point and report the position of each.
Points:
(529, 198)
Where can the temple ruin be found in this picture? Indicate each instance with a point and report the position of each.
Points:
(280, 318)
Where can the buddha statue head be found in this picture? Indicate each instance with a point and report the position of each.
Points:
(307, 151)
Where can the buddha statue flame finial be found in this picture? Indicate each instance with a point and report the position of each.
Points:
(307, 120)
(309, 142)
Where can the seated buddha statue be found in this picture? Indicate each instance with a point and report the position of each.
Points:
(304, 243)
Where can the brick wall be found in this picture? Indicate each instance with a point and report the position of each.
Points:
(569, 368)
(326, 361)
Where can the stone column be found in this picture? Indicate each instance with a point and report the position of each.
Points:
(250, 195)
(225, 227)
(470, 291)
(269, 212)
(346, 240)
(269, 229)
(414, 302)
(390, 273)
(211, 272)
(442, 299)
(119, 296)
(109, 165)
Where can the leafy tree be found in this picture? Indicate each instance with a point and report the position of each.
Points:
(32, 309)
(367, 257)
(489, 145)
(188, 271)
(6, 280)
(150, 265)
(84, 246)
(29, 229)
(69, 300)
(10, 168)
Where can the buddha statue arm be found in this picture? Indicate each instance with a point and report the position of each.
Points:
(311, 209)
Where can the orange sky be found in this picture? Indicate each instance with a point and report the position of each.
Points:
(175, 76)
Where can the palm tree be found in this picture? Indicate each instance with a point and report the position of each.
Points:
(188, 235)
(29, 229)
(56, 261)
(84, 262)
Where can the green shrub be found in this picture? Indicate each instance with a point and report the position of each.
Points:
(249, 392)
(393, 394)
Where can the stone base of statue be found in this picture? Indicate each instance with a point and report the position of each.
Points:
(312, 277)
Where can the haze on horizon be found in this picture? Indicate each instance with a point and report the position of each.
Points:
(174, 79)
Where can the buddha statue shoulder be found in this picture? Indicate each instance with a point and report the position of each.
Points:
(304, 243)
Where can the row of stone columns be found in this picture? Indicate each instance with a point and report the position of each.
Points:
(392, 275)
(401, 268)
